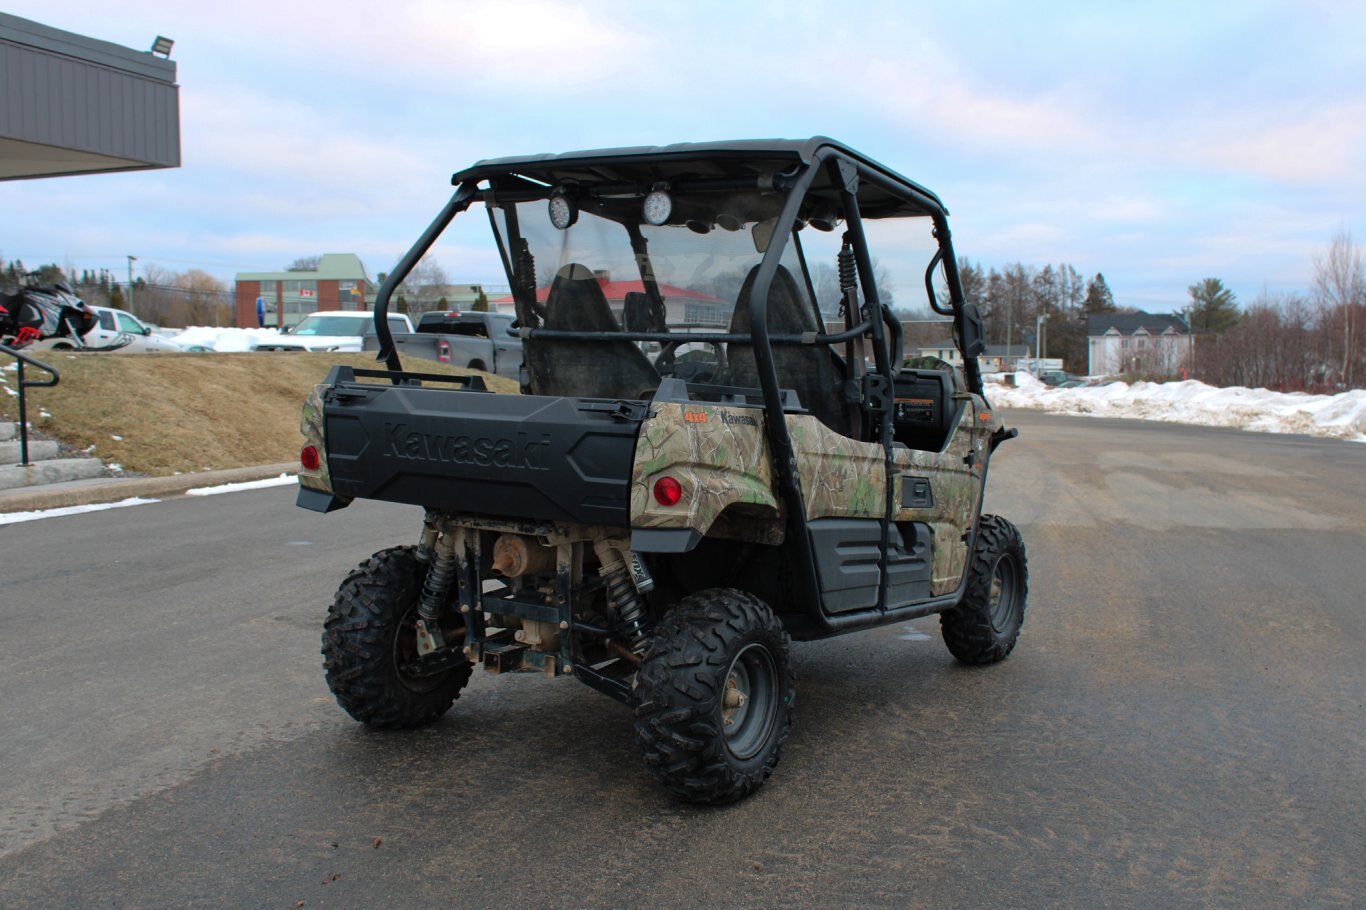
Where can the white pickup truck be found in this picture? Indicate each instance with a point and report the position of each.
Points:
(338, 330)
(114, 330)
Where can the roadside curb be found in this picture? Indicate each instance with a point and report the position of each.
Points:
(113, 489)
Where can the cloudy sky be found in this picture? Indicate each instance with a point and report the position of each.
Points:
(1158, 143)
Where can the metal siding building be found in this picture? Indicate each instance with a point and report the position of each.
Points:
(76, 105)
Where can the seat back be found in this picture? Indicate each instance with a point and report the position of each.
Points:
(808, 371)
(585, 369)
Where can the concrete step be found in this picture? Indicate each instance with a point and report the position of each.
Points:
(54, 470)
(8, 431)
(38, 450)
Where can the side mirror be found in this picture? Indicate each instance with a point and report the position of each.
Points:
(640, 315)
(970, 324)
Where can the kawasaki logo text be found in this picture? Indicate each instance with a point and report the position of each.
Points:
(481, 451)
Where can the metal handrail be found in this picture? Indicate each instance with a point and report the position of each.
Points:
(24, 385)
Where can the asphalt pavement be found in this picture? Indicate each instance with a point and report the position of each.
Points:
(1180, 725)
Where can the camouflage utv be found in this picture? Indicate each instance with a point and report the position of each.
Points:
(718, 448)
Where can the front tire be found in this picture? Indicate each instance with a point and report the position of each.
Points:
(985, 625)
(715, 694)
(369, 638)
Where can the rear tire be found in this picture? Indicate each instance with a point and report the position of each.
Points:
(715, 694)
(985, 625)
(369, 636)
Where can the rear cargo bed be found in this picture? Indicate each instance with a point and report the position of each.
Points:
(474, 452)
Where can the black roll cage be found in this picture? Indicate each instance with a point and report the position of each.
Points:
(847, 169)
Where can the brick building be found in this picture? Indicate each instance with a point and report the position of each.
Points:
(339, 282)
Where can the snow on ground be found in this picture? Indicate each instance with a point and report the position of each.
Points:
(1341, 416)
(15, 517)
(223, 339)
(246, 485)
(10, 518)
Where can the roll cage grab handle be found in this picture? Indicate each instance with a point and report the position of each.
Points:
(459, 202)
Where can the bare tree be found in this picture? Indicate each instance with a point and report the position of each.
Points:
(1340, 287)
(304, 264)
(194, 297)
(425, 284)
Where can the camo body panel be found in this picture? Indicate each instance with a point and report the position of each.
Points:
(955, 487)
(840, 477)
(720, 457)
(311, 426)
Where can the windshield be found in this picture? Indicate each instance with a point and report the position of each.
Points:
(698, 267)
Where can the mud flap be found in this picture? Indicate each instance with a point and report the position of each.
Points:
(319, 501)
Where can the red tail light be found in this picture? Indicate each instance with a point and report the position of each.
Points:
(443, 352)
(309, 458)
(668, 491)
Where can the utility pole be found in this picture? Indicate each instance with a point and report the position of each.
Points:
(131, 260)
(1039, 326)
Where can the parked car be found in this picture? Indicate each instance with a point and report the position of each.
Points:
(111, 328)
(477, 340)
(1053, 377)
(337, 330)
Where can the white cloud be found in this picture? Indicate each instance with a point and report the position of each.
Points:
(1297, 146)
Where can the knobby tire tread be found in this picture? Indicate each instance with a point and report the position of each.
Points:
(967, 628)
(680, 682)
(357, 645)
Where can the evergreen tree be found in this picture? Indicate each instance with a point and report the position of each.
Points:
(1098, 300)
(1213, 307)
(481, 302)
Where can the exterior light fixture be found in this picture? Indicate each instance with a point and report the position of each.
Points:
(658, 205)
(825, 222)
(162, 46)
(668, 491)
(563, 210)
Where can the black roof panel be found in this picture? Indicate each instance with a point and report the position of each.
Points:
(718, 156)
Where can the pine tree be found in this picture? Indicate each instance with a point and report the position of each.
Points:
(1098, 300)
(1213, 307)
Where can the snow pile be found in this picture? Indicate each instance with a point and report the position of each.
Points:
(217, 338)
(10, 518)
(1341, 416)
(279, 481)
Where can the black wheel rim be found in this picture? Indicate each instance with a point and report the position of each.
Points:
(749, 704)
(405, 652)
(1004, 593)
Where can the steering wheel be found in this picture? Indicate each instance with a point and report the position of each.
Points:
(667, 363)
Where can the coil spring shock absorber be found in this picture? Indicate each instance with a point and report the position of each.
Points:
(435, 588)
(623, 591)
(526, 273)
(623, 595)
(848, 267)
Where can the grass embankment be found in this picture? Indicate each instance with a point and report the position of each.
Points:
(187, 412)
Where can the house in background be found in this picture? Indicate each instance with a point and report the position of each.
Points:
(283, 298)
(682, 305)
(459, 297)
(1117, 343)
(998, 358)
(945, 350)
